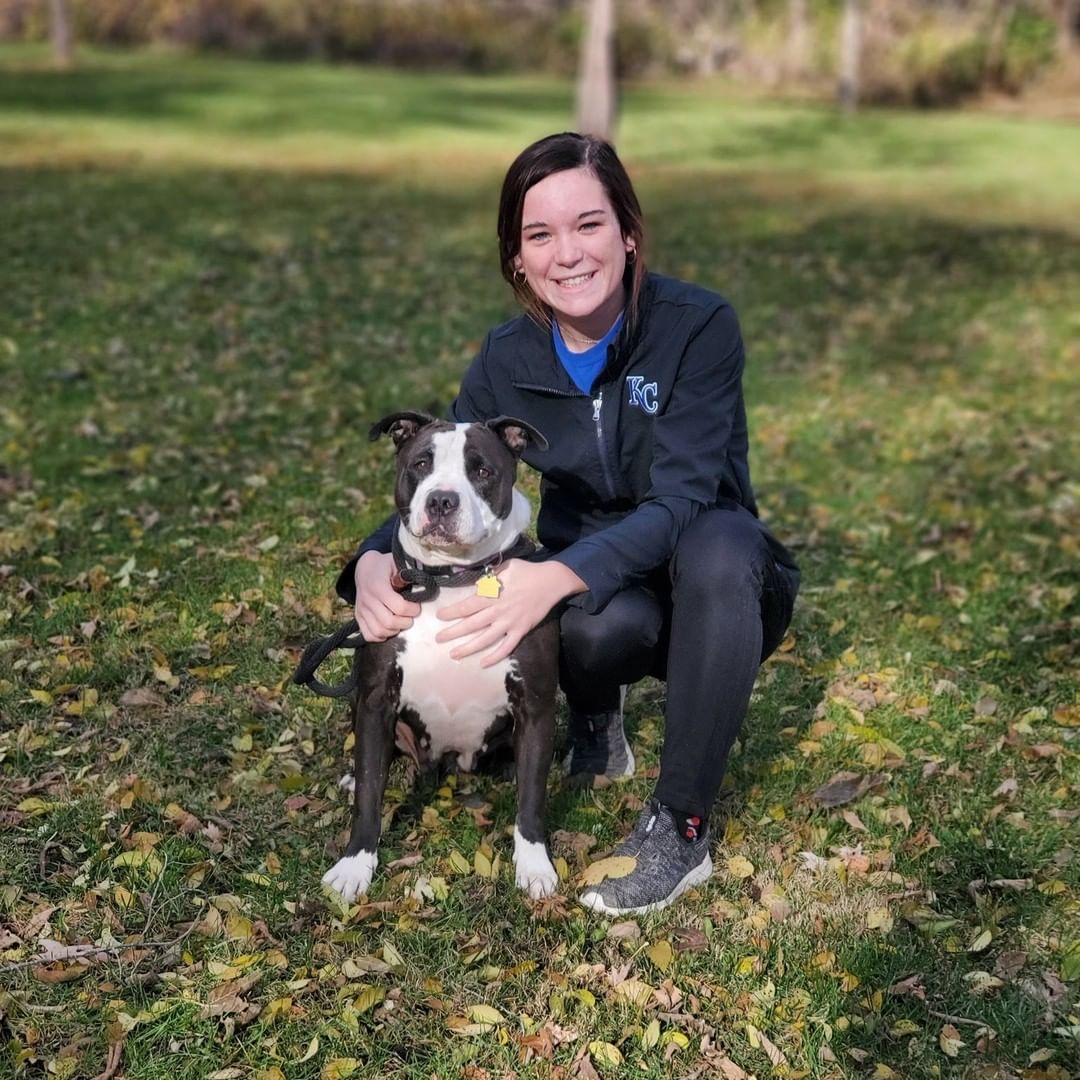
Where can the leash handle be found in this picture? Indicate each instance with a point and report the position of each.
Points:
(319, 650)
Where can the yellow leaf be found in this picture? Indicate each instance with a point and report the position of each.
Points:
(278, 1007)
(392, 956)
(310, 1052)
(369, 998)
(588, 998)
(482, 865)
(615, 866)
(130, 858)
(676, 1037)
(746, 965)
(339, 1068)
(981, 941)
(242, 743)
(879, 919)
(258, 879)
(848, 981)
(459, 863)
(42, 697)
(739, 866)
(604, 1054)
(486, 1014)
(661, 954)
(635, 992)
(35, 806)
(651, 1035)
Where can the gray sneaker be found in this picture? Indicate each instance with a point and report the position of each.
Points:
(598, 746)
(667, 865)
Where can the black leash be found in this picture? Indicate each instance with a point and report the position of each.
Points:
(415, 582)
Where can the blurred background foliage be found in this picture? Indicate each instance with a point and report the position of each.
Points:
(923, 52)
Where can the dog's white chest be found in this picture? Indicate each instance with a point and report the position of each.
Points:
(457, 700)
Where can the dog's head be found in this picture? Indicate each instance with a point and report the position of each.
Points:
(455, 484)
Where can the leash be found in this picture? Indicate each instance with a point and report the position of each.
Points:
(415, 582)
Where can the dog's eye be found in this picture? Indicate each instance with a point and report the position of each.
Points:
(483, 472)
(422, 464)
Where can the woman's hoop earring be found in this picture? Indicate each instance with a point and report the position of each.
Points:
(519, 280)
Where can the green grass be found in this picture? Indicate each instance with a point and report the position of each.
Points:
(216, 274)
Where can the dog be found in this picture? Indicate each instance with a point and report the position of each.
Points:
(459, 516)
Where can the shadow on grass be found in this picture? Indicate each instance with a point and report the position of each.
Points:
(204, 96)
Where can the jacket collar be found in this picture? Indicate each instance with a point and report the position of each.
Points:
(536, 364)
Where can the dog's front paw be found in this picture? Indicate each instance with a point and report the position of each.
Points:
(533, 872)
(350, 876)
(347, 783)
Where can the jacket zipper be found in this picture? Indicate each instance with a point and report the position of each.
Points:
(598, 405)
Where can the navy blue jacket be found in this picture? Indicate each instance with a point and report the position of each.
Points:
(661, 437)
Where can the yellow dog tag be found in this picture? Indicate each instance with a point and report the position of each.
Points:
(488, 585)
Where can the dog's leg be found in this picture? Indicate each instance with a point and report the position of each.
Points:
(534, 745)
(374, 750)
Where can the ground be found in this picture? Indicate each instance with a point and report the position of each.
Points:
(215, 275)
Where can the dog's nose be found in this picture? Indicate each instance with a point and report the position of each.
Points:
(442, 504)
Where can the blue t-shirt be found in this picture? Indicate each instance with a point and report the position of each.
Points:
(583, 367)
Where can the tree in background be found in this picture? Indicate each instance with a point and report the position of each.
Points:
(60, 32)
(797, 50)
(596, 91)
(850, 55)
(1068, 20)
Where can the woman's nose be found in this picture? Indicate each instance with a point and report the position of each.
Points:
(567, 250)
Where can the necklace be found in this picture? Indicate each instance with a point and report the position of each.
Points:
(575, 338)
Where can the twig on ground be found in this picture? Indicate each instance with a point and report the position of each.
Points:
(112, 1062)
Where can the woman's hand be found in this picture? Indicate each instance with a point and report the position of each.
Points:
(381, 611)
(529, 592)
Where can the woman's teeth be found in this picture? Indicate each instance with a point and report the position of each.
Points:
(570, 282)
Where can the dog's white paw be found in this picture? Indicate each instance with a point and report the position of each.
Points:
(347, 783)
(351, 875)
(533, 872)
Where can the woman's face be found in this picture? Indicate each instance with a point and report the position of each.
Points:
(572, 250)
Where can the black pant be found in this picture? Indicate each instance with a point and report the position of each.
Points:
(705, 626)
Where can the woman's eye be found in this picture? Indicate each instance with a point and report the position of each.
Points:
(537, 236)
(591, 225)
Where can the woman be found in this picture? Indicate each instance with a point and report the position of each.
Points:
(655, 554)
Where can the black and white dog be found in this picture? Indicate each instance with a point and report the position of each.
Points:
(460, 515)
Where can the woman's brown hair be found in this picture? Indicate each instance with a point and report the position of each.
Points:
(556, 153)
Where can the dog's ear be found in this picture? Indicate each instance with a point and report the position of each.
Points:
(517, 434)
(400, 426)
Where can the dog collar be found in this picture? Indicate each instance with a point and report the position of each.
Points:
(419, 582)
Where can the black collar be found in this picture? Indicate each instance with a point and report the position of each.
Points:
(419, 582)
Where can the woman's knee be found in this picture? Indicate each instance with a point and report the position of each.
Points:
(722, 552)
(629, 625)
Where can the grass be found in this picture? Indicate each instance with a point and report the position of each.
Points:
(215, 275)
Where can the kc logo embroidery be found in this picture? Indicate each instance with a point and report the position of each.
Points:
(643, 394)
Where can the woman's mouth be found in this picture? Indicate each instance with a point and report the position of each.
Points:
(577, 281)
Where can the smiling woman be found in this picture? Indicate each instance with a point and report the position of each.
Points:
(654, 558)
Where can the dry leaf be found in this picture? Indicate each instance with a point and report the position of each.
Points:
(615, 866)
(661, 954)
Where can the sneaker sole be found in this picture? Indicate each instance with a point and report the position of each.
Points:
(698, 875)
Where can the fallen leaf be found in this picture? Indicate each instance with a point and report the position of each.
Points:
(615, 866)
(605, 1055)
(842, 788)
(661, 954)
(739, 866)
(950, 1042)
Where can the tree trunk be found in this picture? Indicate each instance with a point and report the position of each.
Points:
(798, 41)
(596, 76)
(850, 48)
(60, 32)
(1068, 26)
